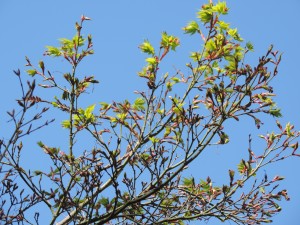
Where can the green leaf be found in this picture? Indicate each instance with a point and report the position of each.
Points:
(146, 47)
(104, 105)
(78, 40)
(231, 63)
(88, 111)
(262, 190)
(249, 46)
(223, 25)
(66, 124)
(169, 85)
(195, 56)
(32, 72)
(151, 61)
(177, 106)
(164, 39)
(67, 45)
(239, 53)
(175, 79)
(37, 172)
(168, 131)
(234, 33)
(153, 139)
(191, 28)
(104, 201)
(205, 185)
(54, 104)
(122, 116)
(160, 111)
(139, 104)
(53, 150)
(113, 119)
(52, 51)
(215, 65)
(174, 42)
(41, 144)
(188, 181)
(224, 138)
(205, 15)
(244, 167)
(275, 112)
(66, 42)
(145, 156)
(168, 41)
(288, 129)
(211, 45)
(220, 8)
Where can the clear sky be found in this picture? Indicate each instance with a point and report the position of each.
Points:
(118, 27)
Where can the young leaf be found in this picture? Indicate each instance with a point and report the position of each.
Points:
(191, 28)
(223, 25)
(146, 47)
(78, 40)
(104, 105)
(220, 8)
(32, 72)
(151, 61)
(40, 144)
(189, 181)
(249, 46)
(37, 172)
(41, 65)
(88, 113)
(275, 112)
(168, 41)
(234, 33)
(154, 139)
(52, 51)
(67, 44)
(175, 79)
(139, 104)
(205, 15)
(104, 201)
(66, 124)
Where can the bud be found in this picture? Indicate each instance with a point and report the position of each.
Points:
(84, 18)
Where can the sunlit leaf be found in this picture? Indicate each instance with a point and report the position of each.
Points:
(146, 47)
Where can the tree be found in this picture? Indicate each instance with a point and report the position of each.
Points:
(132, 173)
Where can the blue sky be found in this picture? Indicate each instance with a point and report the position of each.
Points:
(118, 27)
